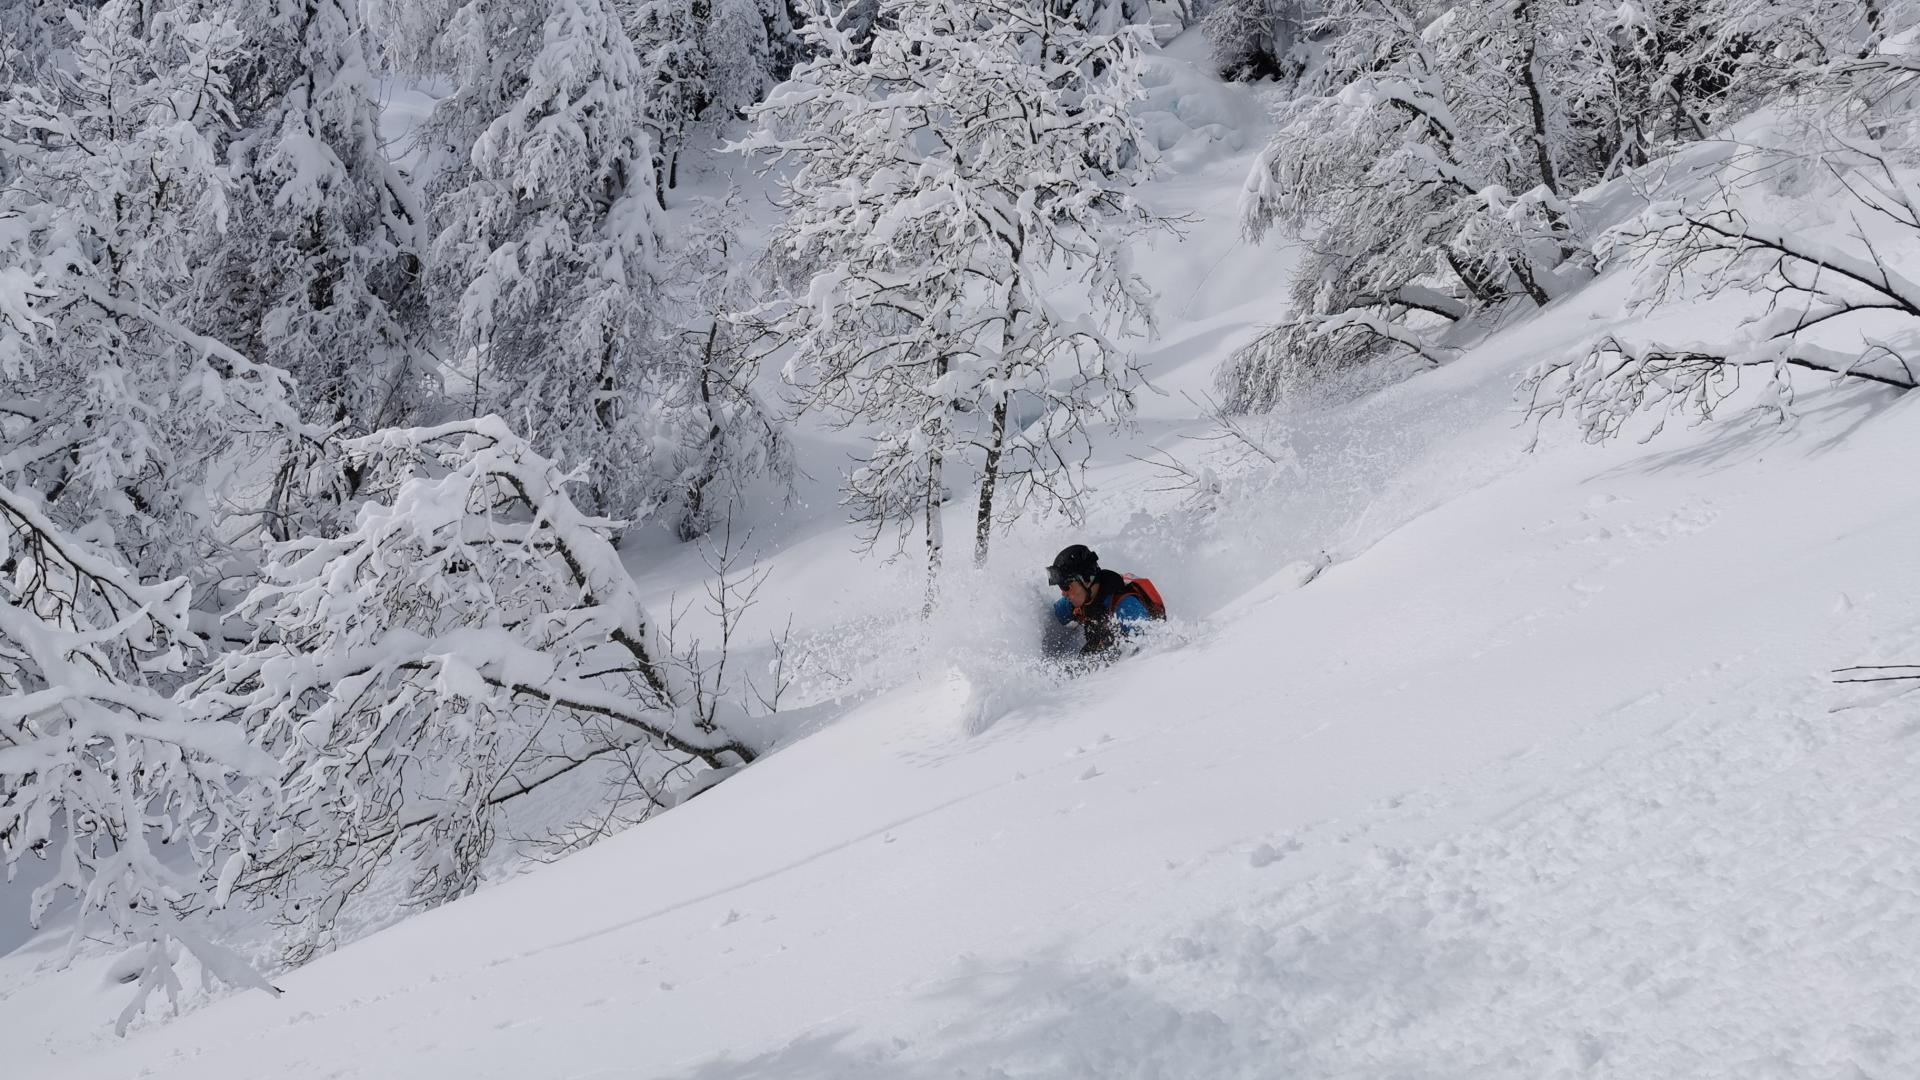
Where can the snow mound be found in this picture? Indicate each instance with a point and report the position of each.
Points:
(1191, 116)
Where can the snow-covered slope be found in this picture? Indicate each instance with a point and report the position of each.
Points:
(1542, 777)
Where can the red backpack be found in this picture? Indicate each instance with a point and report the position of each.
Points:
(1150, 596)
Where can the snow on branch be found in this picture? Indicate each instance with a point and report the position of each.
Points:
(1758, 257)
(99, 769)
(1370, 322)
(1811, 289)
(1417, 297)
(472, 619)
(1616, 380)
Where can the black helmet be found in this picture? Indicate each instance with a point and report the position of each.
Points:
(1074, 563)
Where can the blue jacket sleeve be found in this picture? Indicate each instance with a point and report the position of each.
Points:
(1130, 614)
(1063, 610)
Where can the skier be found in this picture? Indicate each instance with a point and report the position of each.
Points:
(1109, 607)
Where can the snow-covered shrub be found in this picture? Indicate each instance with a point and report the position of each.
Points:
(939, 182)
(130, 795)
(471, 629)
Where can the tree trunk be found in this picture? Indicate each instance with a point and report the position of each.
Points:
(1523, 273)
(693, 517)
(1536, 98)
(1481, 284)
(605, 412)
(1542, 147)
(934, 538)
(935, 489)
(1876, 27)
(989, 477)
(990, 472)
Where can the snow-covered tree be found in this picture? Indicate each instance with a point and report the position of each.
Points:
(944, 188)
(713, 433)
(412, 673)
(30, 30)
(1103, 16)
(126, 441)
(1828, 293)
(784, 18)
(101, 770)
(545, 262)
(124, 422)
(1427, 165)
(705, 61)
(1255, 39)
(1431, 159)
(319, 272)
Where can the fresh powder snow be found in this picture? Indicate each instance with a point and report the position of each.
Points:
(1476, 745)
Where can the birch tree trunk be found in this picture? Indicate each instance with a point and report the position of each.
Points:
(989, 476)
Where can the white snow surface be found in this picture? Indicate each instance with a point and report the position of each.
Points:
(1543, 776)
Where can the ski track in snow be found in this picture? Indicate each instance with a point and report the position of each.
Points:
(756, 879)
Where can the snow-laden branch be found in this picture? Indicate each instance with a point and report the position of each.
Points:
(401, 668)
(1696, 235)
(1419, 297)
(99, 770)
(1614, 380)
(1371, 322)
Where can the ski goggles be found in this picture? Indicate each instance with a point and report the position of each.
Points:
(1059, 578)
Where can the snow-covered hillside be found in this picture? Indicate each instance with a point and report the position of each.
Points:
(1544, 775)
